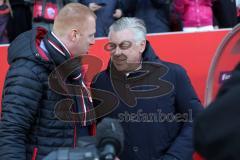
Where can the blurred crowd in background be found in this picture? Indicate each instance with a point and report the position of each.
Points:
(17, 16)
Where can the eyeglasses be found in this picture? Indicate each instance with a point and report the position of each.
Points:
(112, 46)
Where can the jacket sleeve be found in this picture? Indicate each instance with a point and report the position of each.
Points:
(187, 103)
(21, 96)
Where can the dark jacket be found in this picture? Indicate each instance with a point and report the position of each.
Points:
(217, 129)
(29, 126)
(225, 13)
(155, 13)
(149, 138)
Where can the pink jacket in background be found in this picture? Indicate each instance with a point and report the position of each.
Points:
(195, 13)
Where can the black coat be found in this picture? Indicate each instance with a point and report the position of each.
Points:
(217, 129)
(28, 119)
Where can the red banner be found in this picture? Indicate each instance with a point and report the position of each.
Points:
(194, 51)
(3, 69)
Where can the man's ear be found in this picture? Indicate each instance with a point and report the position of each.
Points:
(73, 35)
(143, 46)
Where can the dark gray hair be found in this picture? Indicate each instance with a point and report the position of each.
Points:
(135, 24)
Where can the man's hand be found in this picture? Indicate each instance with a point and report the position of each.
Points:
(118, 13)
(94, 7)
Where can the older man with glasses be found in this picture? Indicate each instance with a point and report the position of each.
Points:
(156, 101)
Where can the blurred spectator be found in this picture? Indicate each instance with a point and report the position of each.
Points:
(5, 11)
(155, 13)
(107, 11)
(225, 13)
(21, 20)
(44, 12)
(196, 15)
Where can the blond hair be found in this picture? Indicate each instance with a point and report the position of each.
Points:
(72, 15)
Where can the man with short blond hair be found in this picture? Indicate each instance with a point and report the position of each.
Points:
(30, 127)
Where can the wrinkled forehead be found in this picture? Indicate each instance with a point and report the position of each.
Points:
(121, 36)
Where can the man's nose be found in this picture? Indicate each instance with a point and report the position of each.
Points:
(117, 51)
